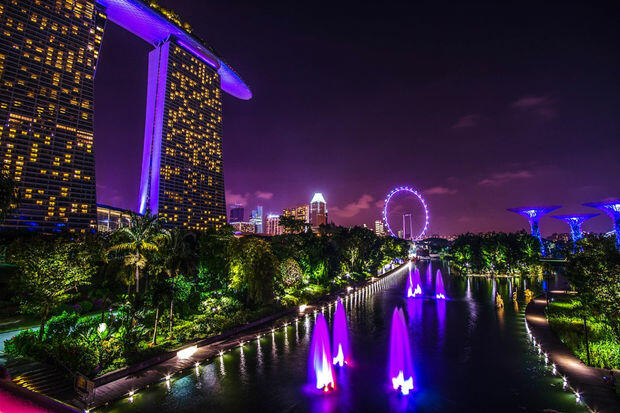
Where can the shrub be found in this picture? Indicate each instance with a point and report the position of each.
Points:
(86, 307)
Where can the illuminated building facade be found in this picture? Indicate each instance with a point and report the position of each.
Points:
(237, 213)
(379, 229)
(182, 174)
(111, 218)
(273, 225)
(48, 56)
(318, 210)
(301, 212)
(256, 218)
(244, 227)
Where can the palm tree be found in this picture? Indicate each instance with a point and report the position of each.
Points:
(137, 240)
(177, 253)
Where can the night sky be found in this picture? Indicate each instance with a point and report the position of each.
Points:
(480, 107)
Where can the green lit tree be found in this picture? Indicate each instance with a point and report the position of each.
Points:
(254, 271)
(50, 272)
(136, 243)
(595, 273)
(291, 225)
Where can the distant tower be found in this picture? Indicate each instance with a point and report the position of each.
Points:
(533, 215)
(574, 222)
(379, 229)
(318, 210)
(612, 209)
(273, 225)
(237, 213)
(256, 218)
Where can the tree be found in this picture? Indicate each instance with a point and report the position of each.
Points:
(9, 195)
(177, 254)
(595, 274)
(137, 241)
(50, 271)
(255, 272)
(292, 225)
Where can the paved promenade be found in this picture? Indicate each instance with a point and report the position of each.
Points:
(588, 381)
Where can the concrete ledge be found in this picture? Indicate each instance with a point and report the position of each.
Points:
(40, 400)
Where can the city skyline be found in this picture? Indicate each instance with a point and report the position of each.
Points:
(473, 148)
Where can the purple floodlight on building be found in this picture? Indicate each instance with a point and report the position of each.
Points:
(612, 209)
(533, 215)
(575, 221)
(147, 23)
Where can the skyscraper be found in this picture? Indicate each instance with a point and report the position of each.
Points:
(273, 225)
(48, 56)
(237, 213)
(318, 210)
(301, 212)
(256, 218)
(379, 229)
(182, 175)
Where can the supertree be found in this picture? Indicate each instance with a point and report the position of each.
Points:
(575, 221)
(612, 209)
(533, 215)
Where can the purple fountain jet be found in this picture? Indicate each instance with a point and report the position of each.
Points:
(413, 285)
(401, 370)
(320, 371)
(341, 349)
(440, 291)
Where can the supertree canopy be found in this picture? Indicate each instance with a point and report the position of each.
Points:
(612, 209)
(533, 215)
(575, 221)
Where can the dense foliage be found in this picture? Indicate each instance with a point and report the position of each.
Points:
(566, 317)
(109, 300)
(496, 253)
(594, 271)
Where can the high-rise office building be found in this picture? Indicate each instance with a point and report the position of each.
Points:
(318, 210)
(301, 212)
(244, 227)
(182, 175)
(237, 213)
(379, 229)
(273, 225)
(48, 56)
(256, 218)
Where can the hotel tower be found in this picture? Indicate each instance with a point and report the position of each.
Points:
(48, 58)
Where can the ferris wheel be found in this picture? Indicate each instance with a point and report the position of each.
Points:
(422, 202)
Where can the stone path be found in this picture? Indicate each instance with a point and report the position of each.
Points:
(588, 381)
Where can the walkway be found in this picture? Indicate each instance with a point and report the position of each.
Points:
(588, 381)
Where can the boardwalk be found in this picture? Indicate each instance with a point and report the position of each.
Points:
(588, 381)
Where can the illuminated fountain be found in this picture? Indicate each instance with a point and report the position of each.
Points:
(341, 349)
(440, 291)
(413, 285)
(400, 368)
(320, 371)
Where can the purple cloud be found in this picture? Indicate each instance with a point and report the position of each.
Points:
(354, 208)
(263, 195)
(232, 198)
(439, 190)
(540, 105)
(468, 121)
(498, 179)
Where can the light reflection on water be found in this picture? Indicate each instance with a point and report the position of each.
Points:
(467, 356)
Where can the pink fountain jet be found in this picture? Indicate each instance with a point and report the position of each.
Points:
(440, 291)
(320, 372)
(401, 370)
(340, 349)
(413, 285)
